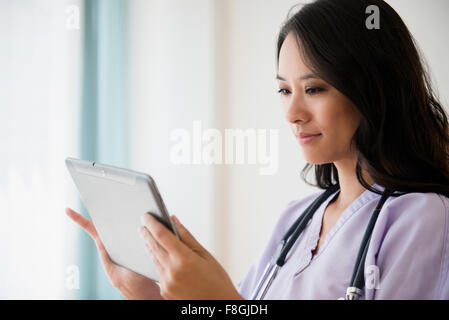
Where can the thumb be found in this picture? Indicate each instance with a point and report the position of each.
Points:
(187, 238)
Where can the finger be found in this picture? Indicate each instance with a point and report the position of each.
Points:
(187, 237)
(84, 223)
(89, 227)
(164, 237)
(106, 260)
(156, 261)
(159, 267)
(155, 249)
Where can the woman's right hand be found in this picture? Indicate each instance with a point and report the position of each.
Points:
(132, 285)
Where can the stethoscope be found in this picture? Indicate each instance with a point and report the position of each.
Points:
(357, 283)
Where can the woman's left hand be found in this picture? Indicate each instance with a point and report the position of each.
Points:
(185, 268)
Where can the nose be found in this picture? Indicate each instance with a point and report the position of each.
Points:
(295, 110)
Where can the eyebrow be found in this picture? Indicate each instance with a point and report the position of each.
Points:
(304, 77)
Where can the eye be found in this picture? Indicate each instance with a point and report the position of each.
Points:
(313, 90)
(283, 91)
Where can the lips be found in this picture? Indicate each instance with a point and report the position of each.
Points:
(305, 135)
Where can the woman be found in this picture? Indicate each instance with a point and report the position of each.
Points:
(367, 99)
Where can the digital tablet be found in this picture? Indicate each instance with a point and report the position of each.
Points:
(115, 199)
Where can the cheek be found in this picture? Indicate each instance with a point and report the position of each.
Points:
(339, 124)
(350, 122)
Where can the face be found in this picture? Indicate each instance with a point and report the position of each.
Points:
(313, 106)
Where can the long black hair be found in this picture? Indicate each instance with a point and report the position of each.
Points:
(403, 138)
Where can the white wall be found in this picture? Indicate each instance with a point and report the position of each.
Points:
(215, 61)
(429, 25)
(171, 86)
(39, 127)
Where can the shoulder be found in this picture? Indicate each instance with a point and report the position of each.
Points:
(306, 200)
(295, 208)
(412, 223)
(418, 210)
(289, 214)
(416, 216)
(411, 238)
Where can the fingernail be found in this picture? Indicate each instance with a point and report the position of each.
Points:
(175, 219)
(140, 230)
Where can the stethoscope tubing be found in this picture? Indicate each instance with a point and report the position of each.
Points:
(354, 291)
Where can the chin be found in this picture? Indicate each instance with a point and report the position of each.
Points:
(314, 160)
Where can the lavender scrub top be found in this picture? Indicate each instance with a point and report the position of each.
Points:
(407, 258)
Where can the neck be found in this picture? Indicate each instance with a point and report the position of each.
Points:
(350, 187)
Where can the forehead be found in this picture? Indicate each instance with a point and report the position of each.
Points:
(290, 59)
